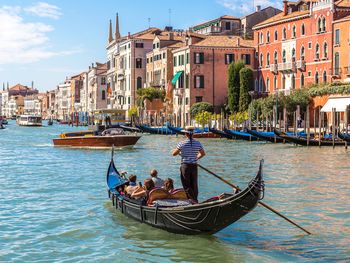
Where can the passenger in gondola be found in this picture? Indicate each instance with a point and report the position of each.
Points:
(157, 181)
(143, 191)
(130, 189)
(191, 151)
(169, 185)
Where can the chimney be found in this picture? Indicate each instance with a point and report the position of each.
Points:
(32, 84)
(117, 34)
(285, 7)
(129, 35)
(258, 8)
(92, 65)
(110, 37)
(171, 35)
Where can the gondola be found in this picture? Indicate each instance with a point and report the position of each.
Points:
(155, 130)
(198, 133)
(241, 135)
(312, 142)
(266, 136)
(129, 128)
(203, 218)
(344, 137)
(221, 133)
(50, 122)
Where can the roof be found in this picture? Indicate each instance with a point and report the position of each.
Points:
(344, 19)
(213, 21)
(343, 3)
(262, 10)
(282, 18)
(164, 35)
(177, 45)
(225, 41)
(19, 87)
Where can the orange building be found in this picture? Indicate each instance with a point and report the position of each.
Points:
(295, 47)
(341, 63)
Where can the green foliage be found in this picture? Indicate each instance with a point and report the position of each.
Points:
(133, 111)
(328, 89)
(201, 107)
(150, 94)
(246, 85)
(240, 117)
(234, 85)
(203, 117)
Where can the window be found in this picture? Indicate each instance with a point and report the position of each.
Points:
(199, 98)
(181, 60)
(181, 81)
(187, 58)
(302, 53)
(103, 94)
(108, 64)
(275, 57)
(302, 81)
(316, 77)
(325, 50)
(324, 76)
(261, 38)
(324, 24)
(103, 81)
(268, 59)
(198, 58)
(302, 30)
(261, 60)
(187, 80)
(283, 82)
(139, 45)
(319, 25)
(293, 81)
(261, 84)
(309, 74)
(317, 51)
(337, 37)
(129, 100)
(147, 60)
(229, 58)
(276, 35)
(294, 32)
(175, 61)
(186, 101)
(284, 34)
(268, 37)
(284, 56)
(154, 45)
(246, 58)
(158, 45)
(228, 25)
(163, 55)
(310, 45)
(336, 63)
(139, 63)
(199, 81)
(293, 54)
(138, 83)
(267, 85)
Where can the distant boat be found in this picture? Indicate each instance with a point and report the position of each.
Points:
(344, 136)
(29, 120)
(155, 130)
(241, 135)
(198, 132)
(108, 138)
(50, 122)
(266, 136)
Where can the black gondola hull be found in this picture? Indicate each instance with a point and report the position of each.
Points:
(274, 139)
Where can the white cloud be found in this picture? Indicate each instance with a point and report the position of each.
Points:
(245, 7)
(22, 42)
(43, 9)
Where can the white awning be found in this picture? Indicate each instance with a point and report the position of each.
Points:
(339, 103)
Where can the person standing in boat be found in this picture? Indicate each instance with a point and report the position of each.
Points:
(191, 151)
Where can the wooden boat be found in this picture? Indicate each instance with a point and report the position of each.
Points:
(267, 136)
(344, 137)
(241, 135)
(92, 139)
(155, 130)
(198, 133)
(312, 142)
(203, 218)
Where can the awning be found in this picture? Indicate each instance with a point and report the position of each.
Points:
(176, 77)
(339, 103)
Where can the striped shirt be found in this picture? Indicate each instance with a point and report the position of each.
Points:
(189, 152)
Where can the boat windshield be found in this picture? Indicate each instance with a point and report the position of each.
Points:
(34, 119)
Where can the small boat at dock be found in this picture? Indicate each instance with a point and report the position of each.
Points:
(198, 132)
(241, 135)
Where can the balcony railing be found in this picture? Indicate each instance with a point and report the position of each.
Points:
(179, 92)
(287, 66)
(274, 68)
(347, 70)
(335, 72)
(301, 65)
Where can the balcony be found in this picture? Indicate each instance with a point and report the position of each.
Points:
(274, 68)
(119, 93)
(179, 92)
(335, 72)
(287, 66)
(301, 65)
(120, 71)
(347, 70)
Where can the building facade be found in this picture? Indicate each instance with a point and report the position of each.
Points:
(223, 25)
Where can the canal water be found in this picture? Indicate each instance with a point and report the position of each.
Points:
(54, 205)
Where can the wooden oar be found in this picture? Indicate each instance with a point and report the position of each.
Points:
(261, 203)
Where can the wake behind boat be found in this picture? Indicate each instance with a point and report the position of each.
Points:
(207, 217)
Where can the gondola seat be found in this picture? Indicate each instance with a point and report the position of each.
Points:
(171, 203)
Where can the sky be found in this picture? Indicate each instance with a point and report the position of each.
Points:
(46, 41)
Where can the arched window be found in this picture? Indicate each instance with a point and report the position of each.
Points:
(293, 54)
(319, 25)
(316, 77)
(256, 85)
(275, 83)
(302, 53)
(302, 80)
(139, 83)
(276, 35)
(325, 50)
(261, 84)
(336, 63)
(261, 38)
(275, 57)
(284, 56)
(267, 85)
(317, 51)
(268, 37)
(294, 31)
(268, 59)
(293, 81)
(261, 59)
(283, 81)
(302, 29)
(324, 76)
(103, 94)
(284, 34)
(324, 24)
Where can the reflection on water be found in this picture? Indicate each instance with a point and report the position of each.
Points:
(54, 204)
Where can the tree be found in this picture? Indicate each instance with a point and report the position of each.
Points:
(234, 85)
(246, 85)
(150, 94)
(201, 107)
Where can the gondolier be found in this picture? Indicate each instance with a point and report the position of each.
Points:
(191, 151)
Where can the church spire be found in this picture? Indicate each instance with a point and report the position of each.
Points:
(117, 34)
(110, 37)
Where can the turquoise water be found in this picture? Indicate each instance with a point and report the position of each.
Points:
(54, 205)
